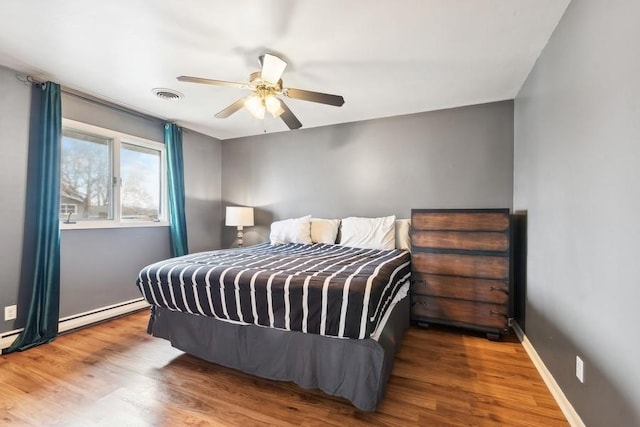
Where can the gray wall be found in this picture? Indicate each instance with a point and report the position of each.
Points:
(15, 102)
(460, 157)
(577, 174)
(203, 190)
(98, 267)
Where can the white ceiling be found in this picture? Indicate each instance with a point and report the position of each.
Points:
(385, 57)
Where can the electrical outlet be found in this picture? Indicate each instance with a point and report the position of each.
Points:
(580, 369)
(10, 312)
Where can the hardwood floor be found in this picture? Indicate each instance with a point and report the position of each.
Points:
(114, 374)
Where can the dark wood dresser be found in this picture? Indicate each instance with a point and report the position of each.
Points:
(462, 269)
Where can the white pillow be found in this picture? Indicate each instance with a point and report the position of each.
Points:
(294, 230)
(324, 230)
(403, 238)
(369, 233)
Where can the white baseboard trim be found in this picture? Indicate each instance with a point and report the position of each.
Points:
(565, 406)
(7, 338)
(83, 319)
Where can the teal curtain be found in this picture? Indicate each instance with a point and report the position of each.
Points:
(43, 199)
(175, 172)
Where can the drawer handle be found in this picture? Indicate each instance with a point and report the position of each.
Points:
(493, 289)
(419, 282)
(497, 313)
(424, 303)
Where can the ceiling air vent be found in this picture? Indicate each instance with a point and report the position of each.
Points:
(167, 94)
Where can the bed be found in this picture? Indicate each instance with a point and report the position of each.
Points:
(324, 316)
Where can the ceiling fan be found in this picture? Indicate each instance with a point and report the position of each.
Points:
(266, 86)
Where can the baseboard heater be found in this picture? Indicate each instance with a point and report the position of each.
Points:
(83, 319)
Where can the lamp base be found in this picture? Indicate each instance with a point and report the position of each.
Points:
(240, 236)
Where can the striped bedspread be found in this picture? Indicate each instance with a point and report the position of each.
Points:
(322, 289)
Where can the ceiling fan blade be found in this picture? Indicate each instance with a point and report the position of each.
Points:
(212, 82)
(272, 68)
(223, 114)
(307, 95)
(289, 118)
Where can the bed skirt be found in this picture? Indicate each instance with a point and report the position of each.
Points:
(355, 369)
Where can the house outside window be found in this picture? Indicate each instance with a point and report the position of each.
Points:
(110, 179)
(68, 209)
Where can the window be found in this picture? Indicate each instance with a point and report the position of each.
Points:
(110, 179)
(140, 192)
(85, 173)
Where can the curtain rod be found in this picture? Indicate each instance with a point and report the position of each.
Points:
(109, 104)
(95, 100)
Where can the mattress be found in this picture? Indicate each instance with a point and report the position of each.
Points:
(328, 290)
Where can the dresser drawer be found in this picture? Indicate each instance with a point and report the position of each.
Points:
(483, 290)
(453, 311)
(468, 240)
(485, 267)
(460, 221)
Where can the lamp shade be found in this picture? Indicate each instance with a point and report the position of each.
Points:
(239, 216)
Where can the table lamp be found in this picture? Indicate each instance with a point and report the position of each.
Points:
(239, 216)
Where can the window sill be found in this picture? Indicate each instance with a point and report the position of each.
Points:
(88, 225)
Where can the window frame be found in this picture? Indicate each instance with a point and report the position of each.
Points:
(118, 139)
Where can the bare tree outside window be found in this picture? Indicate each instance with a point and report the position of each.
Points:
(86, 174)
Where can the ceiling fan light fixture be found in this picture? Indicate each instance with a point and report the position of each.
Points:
(266, 86)
(278, 113)
(256, 106)
(273, 105)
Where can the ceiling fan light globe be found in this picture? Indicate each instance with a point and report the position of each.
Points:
(255, 106)
(259, 112)
(273, 105)
(278, 113)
